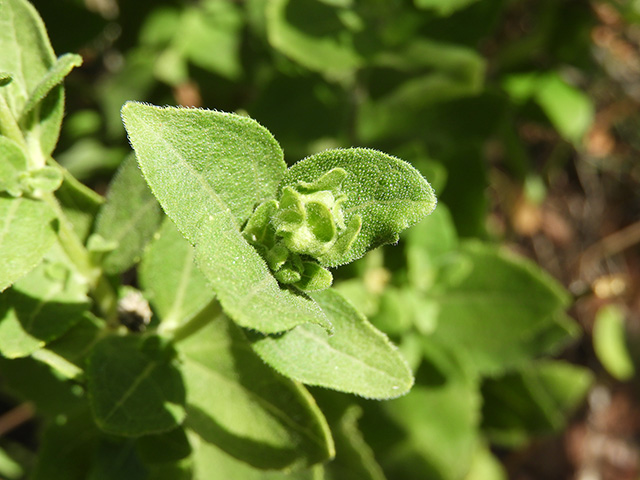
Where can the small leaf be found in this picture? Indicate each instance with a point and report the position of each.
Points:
(171, 281)
(388, 195)
(212, 463)
(443, 7)
(79, 203)
(67, 448)
(313, 35)
(164, 447)
(116, 458)
(212, 23)
(43, 180)
(440, 418)
(354, 458)
(495, 308)
(51, 395)
(238, 403)
(610, 342)
(535, 400)
(13, 162)
(356, 359)
(569, 109)
(41, 306)
(27, 232)
(5, 79)
(130, 216)
(134, 386)
(53, 77)
(27, 57)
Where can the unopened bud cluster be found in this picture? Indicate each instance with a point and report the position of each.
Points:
(299, 232)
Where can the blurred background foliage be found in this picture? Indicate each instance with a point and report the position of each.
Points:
(523, 114)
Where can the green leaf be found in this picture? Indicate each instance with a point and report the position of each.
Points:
(440, 418)
(485, 466)
(443, 7)
(313, 35)
(427, 243)
(356, 359)
(28, 57)
(41, 306)
(209, 170)
(54, 77)
(494, 307)
(202, 163)
(5, 79)
(43, 180)
(354, 459)
(130, 216)
(440, 72)
(27, 231)
(245, 287)
(238, 403)
(610, 342)
(387, 193)
(116, 458)
(134, 385)
(13, 162)
(50, 394)
(67, 448)
(79, 203)
(212, 463)
(171, 281)
(212, 23)
(164, 447)
(10, 468)
(569, 109)
(78, 341)
(536, 400)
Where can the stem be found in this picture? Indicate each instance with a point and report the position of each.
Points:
(70, 242)
(16, 417)
(60, 364)
(179, 332)
(101, 290)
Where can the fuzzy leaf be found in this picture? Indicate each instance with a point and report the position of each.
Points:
(27, 56)
(134, 386)
(209, 170)
(610, 342)
(212, 463)
(171, 281)
(41, 306)
(496, 309)
(313, 35)
(79, 203)
(54, 77)
(26, 233)
(387, 193)
(13, 162)
(130, 216)
(356, 359)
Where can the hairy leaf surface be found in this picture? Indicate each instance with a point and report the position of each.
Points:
(209, 170)
(356, 359)
(26, 233)
(171, 280)
(134, 385)
(130, 216)
(387, 193)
